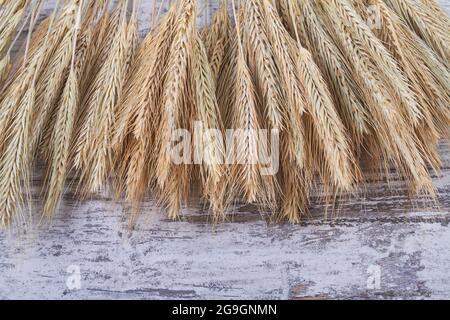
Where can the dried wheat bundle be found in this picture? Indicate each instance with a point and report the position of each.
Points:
(390, 101)
(312, 83)
(431, 97)
(16, 121)
(302, 21)
(61, 125)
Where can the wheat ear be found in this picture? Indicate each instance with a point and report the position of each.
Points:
(284, 50)
(83, 44)
(226, 78)
(15, 159)
(99, 162)
(176, 111)
(246, 176)
(174, 91)
(63, 130)
(387, 66)
(51, 83)
(136, 124)
(16, 121)
(207, 111)
(86, 119)
(263, 66)
(217, 39)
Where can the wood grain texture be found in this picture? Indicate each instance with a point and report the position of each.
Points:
(378, 229)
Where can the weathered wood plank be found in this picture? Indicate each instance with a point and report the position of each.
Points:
(377, 235)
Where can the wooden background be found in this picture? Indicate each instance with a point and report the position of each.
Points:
(378, 246)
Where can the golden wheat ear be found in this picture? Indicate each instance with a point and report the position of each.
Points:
(139, 111)
(92, 99)
(226, 77)
(83, 43)
(394, 77)
(176, 111)
(263, 67)
(332, 139)
(15, 162)
(246, 178)
(51, 83)
(16, 121)
(99, 158)
(215, 38)
(62, 135)
(207, 112)
(59, 159)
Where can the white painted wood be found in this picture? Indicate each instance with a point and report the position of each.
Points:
(378, 230)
